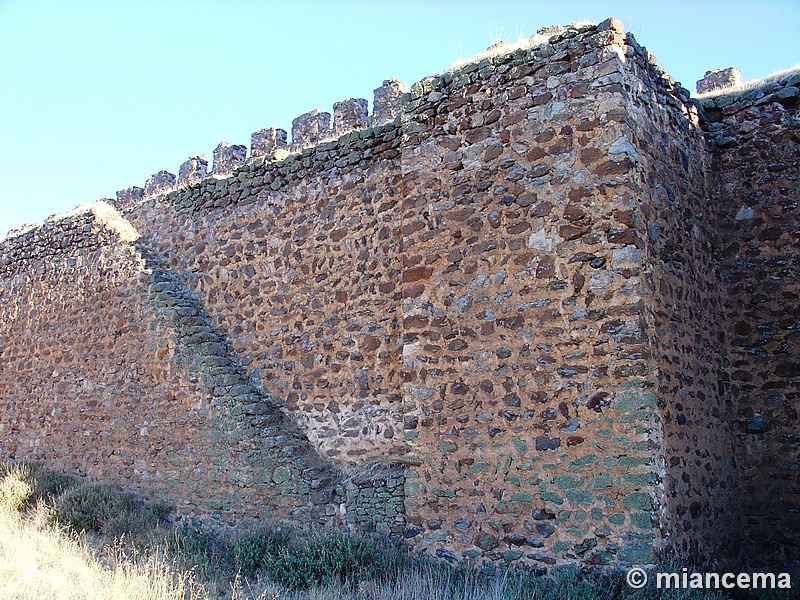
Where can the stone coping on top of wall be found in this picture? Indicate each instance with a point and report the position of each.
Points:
(87, 226)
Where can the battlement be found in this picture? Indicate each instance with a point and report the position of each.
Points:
(309, 129)
(314, 129)
(547, 295)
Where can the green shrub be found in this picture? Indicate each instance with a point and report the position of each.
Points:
(48, 484)
(106, 510)
(254, 550)
(203, 553)
(332, 557)
(187, 540)
(16, 487)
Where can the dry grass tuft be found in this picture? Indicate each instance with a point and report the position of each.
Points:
(504, 47)
(43, 562)
(16, 487)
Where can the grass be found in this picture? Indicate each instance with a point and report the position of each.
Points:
(64, 538)
(503, 47)
(40, 561)
(16, 487)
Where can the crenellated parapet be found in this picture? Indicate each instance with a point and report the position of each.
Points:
(227, 157)
(272, 143)
(128, 197)
(265, 141)
(349, 115)
(193, 170)
(719, 79)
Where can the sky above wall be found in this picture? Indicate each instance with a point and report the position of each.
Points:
(96, 95)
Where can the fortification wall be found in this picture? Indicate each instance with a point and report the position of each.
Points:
(298, 261)
(754, 140)
(110, 369)
(518, 289)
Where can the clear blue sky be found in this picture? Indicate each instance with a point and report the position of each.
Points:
(98, 95)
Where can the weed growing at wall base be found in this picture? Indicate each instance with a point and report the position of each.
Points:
(105, 509)
(15, 488)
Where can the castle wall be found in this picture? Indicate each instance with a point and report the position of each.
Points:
(755, 147)
(110, 370)
(505, 315)
(298, 262)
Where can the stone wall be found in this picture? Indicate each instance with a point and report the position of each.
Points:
(533, 287)
(297, 261)
(670, 198)
(112, 370)
(754, 138)
(375, 499)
